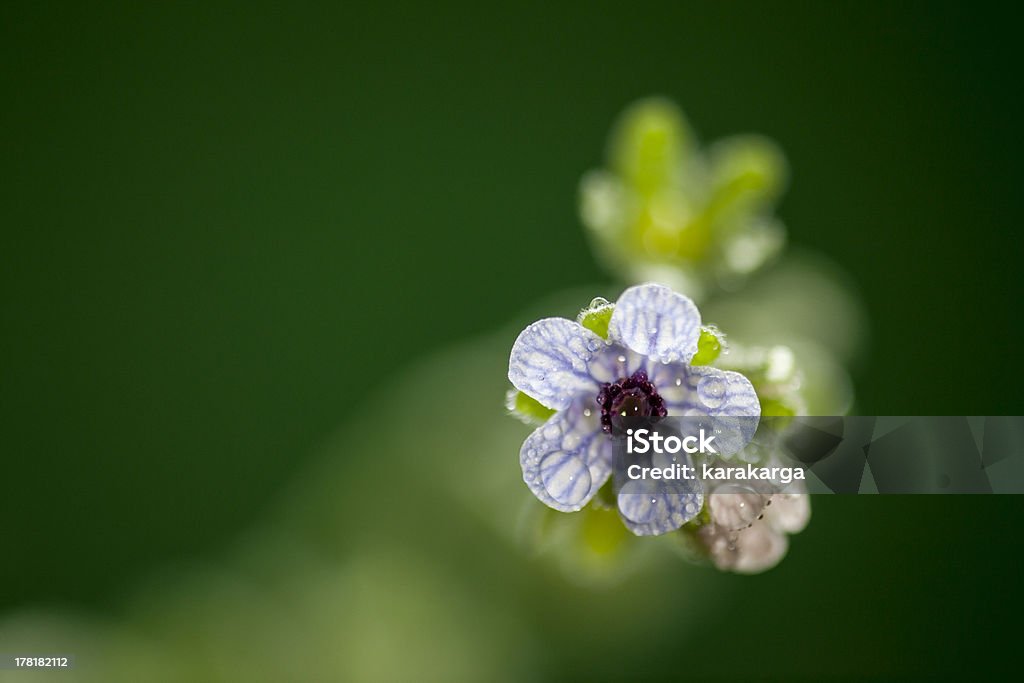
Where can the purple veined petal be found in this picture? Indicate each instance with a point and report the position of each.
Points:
(657, 322)
(615, 362)
(704, 390)
(568, 458)
(653, 508)
(551, 359)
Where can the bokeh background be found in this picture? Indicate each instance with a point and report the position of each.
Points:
(231, 236)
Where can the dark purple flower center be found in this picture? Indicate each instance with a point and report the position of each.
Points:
(632, 396)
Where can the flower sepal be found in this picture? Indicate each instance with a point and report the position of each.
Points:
(527, 409)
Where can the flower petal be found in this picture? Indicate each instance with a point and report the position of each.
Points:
(568, 458)
(789, 512)
(735, 507)
(550, 361)
(750, 551)
(657, 322)
(652, 508)
(615, 362)
(704, 390)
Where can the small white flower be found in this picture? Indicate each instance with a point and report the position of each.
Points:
(748, 532)
(643, 369)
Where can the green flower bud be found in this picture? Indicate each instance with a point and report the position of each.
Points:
(663, 209)
(649, 144)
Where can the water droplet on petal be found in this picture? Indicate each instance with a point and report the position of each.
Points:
(566, 478)
(637, 507)
(552, 431)
(711, 391)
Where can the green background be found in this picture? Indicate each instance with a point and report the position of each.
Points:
(223, 228)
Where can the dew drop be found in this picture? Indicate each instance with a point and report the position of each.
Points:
(637, 506)
(711, 391)
(552, 431)
(566, 478)
(571, 441)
